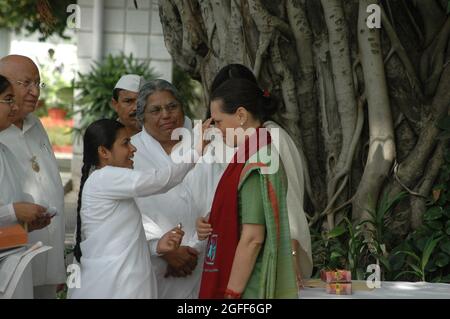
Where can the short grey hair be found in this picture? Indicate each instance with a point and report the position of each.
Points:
(148, 89)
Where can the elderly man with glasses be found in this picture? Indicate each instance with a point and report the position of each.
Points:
(160, 111)
(29, 142)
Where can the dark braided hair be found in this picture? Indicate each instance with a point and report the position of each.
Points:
(4, 84)
(100, 133)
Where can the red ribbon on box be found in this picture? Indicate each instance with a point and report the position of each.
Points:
(339, 288)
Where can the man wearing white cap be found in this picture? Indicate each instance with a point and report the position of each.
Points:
(124, 99)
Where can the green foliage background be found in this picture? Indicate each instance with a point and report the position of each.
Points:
(96, 87)
(423, 256)
(18, 14)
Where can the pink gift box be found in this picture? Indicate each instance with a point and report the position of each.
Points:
(339, 288)
(333, 276)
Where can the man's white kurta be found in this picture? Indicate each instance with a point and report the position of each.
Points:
(115, 260)
(45, 188)
(183, 204)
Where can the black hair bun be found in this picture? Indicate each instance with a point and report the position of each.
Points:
(268, 106)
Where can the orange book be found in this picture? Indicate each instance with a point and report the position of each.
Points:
(12, 236)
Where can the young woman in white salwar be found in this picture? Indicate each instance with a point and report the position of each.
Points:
(111, 247)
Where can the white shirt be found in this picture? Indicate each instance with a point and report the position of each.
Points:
(115, 260)
(183, 204)
(45, 188)
(10, 191)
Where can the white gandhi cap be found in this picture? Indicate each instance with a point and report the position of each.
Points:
(130, 82)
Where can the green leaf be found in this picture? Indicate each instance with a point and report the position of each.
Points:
(445, 247)
(415, 268)
(429, 247)
(335, 255)
(336, 232)
(433, 213)
(436, 225)
(385, 262)
(407, 253)
(442, 260)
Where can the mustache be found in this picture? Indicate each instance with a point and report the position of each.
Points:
(133, 115)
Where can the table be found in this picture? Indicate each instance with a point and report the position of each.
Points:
(388, 290)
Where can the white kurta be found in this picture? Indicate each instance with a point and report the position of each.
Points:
(115, 260)
(10, 191)
(298, 224)
(45, 188)
(183, 204)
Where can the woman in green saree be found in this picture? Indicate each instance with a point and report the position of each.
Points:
(248, 253)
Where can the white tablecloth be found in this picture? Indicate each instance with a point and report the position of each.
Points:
(388, 290)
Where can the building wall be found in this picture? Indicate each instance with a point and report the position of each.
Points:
(127, 30)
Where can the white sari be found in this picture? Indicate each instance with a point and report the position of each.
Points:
(298, 224)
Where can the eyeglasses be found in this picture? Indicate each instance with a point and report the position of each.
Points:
(157, 110)
(28, 84)
(9, 102)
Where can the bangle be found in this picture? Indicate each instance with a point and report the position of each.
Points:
(233, 294)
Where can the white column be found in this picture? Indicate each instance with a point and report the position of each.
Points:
(97, 28)
(5, 42)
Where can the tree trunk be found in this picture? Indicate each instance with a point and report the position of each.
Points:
(360, 103)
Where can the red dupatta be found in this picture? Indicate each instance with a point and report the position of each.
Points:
(224, 220)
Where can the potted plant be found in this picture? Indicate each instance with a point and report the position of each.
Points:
(64, 101)
(57, 96)
(96, 87)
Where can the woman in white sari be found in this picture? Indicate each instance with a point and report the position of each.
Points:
(111, 245)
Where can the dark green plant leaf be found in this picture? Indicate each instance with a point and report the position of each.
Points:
(96, 87)
(429, 247)
(433, 213)
(336, 232)
(442, 260)
(436, 225)
(445, 246)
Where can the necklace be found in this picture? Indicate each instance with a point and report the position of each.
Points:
(35, 164)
